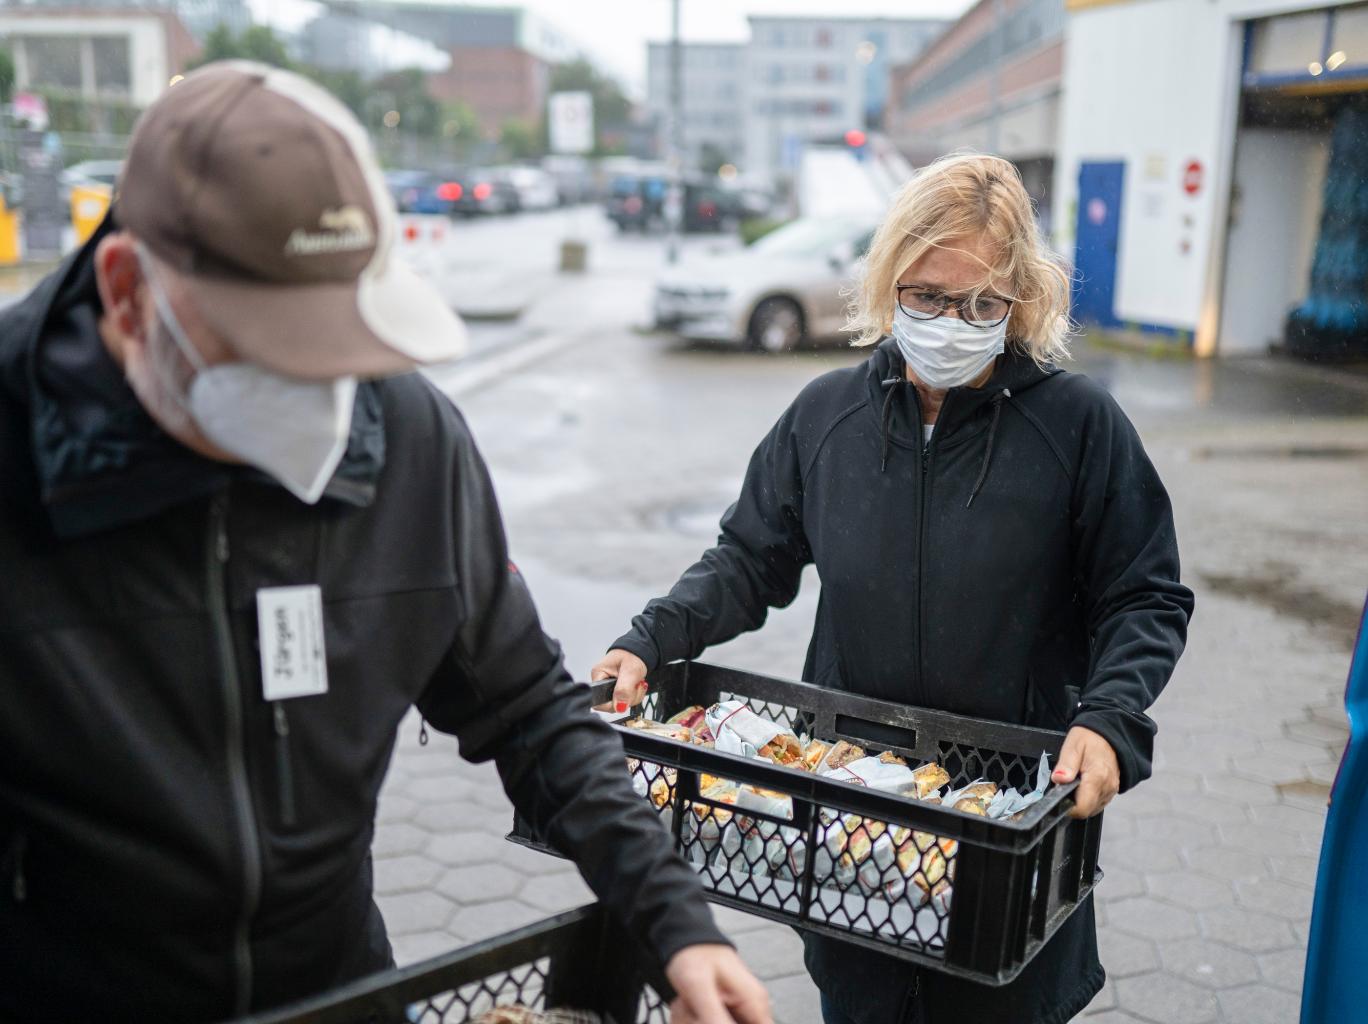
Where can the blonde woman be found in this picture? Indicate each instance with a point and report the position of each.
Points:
(991, 539)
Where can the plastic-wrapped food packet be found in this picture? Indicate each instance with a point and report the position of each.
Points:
(739, 730)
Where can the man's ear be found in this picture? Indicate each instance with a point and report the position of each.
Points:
(118, 276)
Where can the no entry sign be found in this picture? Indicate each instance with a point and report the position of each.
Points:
(1192, 177)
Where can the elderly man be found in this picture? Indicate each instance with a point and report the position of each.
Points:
(238, 541)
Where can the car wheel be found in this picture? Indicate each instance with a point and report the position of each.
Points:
(776, 326)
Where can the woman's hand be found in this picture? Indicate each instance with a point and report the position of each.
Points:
(1090, 758)
(630, 672)
(712, 985)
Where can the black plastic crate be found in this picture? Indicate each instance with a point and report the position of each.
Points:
(576, 961)
(981, 904)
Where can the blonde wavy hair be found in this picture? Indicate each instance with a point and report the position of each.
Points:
(968, 195)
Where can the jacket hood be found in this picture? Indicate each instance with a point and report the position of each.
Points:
(899, 406)
(99, 458)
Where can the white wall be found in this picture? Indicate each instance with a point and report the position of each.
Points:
(1275, 217)
(149, 61)
(1155, 84)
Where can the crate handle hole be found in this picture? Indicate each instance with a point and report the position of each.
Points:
(877, 734)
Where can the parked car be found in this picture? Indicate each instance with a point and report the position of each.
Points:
(91, 172)
(773, 295)
(535, 188)
(636, 203)
(486, 191)
(573, 176)
(424, 191)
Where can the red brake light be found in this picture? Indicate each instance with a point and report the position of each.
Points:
(855, 138)
(410, 233)
(449, 191)
(482, 191)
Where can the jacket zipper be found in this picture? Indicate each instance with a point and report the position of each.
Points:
(284, 768)
(922, 530)
(239, 782)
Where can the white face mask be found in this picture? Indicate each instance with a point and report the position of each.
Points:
(294, 430)
(946, 352)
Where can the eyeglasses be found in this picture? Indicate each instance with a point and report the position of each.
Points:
(921, 303)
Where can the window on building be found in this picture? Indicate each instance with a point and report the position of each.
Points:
(1288, 44)
(1349, 37)
(823, 108)
(821, 73)
(113, 73)
(54, 62)
(823, 38)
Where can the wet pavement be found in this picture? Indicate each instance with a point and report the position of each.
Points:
(614, 451)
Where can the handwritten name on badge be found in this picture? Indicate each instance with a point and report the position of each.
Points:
(290, 633)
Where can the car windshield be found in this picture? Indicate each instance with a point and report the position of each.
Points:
(809, 237)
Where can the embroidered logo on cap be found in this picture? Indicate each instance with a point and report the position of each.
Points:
(345, 229)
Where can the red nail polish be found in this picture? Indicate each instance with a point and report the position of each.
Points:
(621, 706)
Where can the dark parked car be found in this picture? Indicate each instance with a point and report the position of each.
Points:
(484, 190)
(424, 191)
(638, 203)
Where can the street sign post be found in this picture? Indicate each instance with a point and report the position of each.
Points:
(571, 118)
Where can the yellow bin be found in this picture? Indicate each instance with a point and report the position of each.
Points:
(89, 204)
(10, 249)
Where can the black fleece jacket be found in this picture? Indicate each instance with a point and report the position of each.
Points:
(172, 846)
(1021, 566)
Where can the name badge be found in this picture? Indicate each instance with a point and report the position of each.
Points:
(290, 630)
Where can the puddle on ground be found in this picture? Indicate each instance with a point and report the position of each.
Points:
(1281, 452)
(1288, 598)
(1306, 789)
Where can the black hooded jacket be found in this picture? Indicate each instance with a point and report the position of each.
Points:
(172, 846)
(1021, 566)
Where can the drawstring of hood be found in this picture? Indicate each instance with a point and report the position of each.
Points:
(998, 399)
(891, 387)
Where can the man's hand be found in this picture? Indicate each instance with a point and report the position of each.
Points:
(630, 672)
(713, 986)
(1090, 758)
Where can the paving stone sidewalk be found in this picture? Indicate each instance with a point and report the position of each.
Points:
(614, 458)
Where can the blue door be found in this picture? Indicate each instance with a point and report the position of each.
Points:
(1334, 990)
(1099, 229)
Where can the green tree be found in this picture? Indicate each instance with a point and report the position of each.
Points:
(612, 108)
(521, 140)
(259, 43)
(711, 157)
(407, 92)
(6, 76)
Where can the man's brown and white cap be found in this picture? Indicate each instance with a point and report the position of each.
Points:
(262, 188)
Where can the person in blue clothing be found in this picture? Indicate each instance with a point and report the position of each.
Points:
(991, 538)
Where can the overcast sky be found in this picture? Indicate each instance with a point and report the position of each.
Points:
(616, 31)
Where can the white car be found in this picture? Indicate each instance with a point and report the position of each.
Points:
(536, 189)
(773, 295)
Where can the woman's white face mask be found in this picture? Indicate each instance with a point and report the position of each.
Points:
(293, 430)
(946, 352)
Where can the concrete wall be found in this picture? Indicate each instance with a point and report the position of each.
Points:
(1275, 216)
(155, 51)
(1155, 84)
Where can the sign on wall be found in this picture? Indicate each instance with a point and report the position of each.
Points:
(1192, 177)
(571, 120)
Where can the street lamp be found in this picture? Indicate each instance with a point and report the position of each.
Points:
(674, 197)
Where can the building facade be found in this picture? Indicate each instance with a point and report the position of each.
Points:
(500, 57)
(98, 56)
(713, 81)
(811, 80)
(1199, 146)
(991, 83)
(199, 17)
